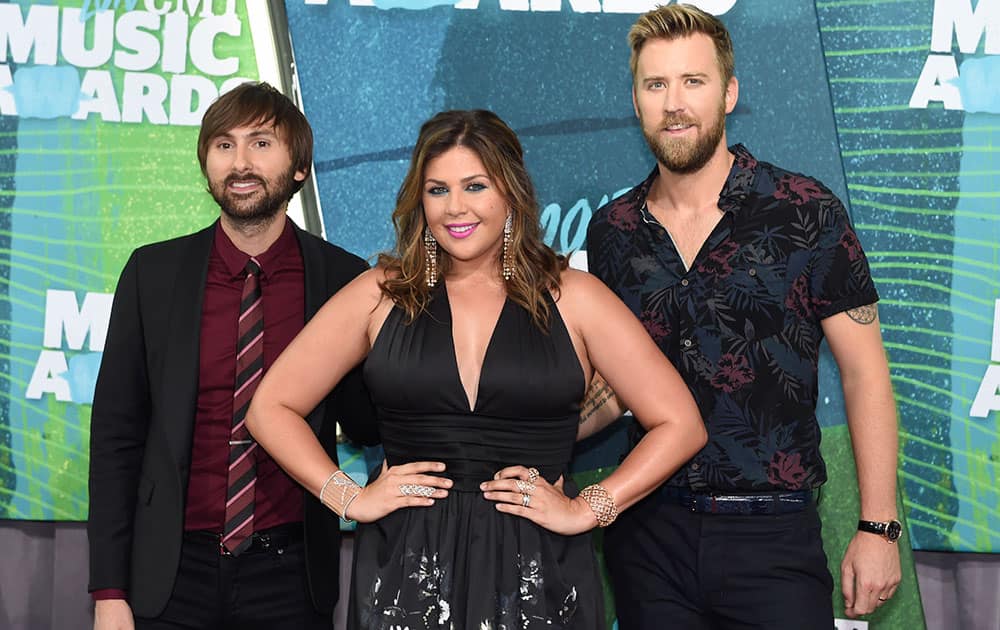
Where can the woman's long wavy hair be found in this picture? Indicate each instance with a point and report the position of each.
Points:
(536, 266)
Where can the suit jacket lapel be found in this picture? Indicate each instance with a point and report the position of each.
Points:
(315, 273)
(181, 359)
(317, 293)
(316, 279)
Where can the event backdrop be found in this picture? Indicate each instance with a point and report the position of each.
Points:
(892, 103)
(98, 126)
(916, 100)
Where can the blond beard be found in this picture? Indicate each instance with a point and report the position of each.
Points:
(682, 157)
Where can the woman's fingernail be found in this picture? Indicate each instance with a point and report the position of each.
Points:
(482, 486)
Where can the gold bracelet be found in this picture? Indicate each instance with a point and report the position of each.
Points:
(601, 503)
(349, 490)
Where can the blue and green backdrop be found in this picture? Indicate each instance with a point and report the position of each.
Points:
(892, 103)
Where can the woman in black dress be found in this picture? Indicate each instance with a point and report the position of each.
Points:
(479, 345)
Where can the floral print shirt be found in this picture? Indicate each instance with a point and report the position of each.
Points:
(742, 324)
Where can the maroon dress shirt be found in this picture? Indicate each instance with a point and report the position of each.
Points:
(278, 499)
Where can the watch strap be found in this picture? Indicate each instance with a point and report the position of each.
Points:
(872, 527)
(890, 530)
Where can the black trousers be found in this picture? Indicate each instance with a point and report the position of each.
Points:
(264, 588)
(673, 568)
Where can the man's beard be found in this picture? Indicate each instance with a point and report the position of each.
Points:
(683, 156)
(259, 207)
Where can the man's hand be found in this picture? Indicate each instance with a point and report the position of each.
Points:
(113, 614)
(869, 573)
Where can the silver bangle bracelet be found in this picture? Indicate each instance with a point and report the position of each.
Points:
(326, 483)
(347, 505)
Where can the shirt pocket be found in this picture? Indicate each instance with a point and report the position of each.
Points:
(750, 294)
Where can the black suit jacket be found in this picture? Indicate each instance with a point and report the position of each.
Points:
(143, 420)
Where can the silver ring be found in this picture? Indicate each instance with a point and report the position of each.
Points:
(524, 487)
(525, 500)
(415, 490)
(532, 475)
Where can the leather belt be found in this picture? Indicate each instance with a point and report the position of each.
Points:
(277, 537)
(785, 502)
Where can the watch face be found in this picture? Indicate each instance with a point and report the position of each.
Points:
(893, 530)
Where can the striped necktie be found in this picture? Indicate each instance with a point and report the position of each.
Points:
(242, 458)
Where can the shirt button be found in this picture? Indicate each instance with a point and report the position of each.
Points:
(687, 343)
(695, 466)
(752, 272)
(684, 282)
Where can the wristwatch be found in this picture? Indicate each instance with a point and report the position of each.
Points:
(890, 530)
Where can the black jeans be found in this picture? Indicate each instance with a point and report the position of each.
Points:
(263, 588)
(673, 568)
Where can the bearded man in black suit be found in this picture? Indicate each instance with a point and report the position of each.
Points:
(191, 525)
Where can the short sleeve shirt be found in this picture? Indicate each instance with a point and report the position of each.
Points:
(742, 323)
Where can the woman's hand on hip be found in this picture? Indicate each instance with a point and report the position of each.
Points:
(406, 485)
(523, 492)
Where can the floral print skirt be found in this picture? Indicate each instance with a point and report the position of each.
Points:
(462, 565)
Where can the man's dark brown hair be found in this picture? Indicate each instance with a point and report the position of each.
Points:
(253, 104)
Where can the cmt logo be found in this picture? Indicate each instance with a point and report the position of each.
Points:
(988, 397)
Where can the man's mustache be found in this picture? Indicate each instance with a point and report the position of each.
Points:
(669, 121)
(243, 178)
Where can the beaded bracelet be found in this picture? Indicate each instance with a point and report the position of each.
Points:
(601, 503)
(349, 490)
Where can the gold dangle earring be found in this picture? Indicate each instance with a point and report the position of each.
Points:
(507, 262)
(431, 257)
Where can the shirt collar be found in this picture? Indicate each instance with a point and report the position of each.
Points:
(741, 179)
(270, 260)
(738, 184)
(643, 192)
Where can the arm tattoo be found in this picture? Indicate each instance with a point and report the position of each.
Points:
(864, 314)
(597, 396)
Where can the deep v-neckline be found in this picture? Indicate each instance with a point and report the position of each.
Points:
(471, 405)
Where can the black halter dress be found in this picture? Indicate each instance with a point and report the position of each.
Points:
(461, 564)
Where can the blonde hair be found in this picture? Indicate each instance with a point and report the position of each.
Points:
(537, 267)
(682, 20)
